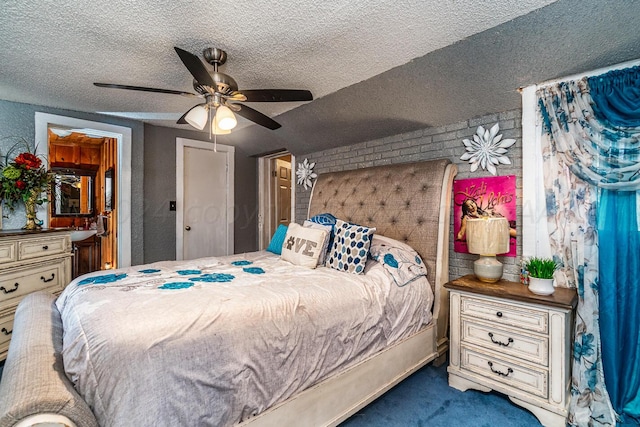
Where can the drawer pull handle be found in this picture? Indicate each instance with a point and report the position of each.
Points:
(509, 341)
(8, 291)
(509, 370)
(53, 275)
(45, 247)
(499, 314)
(6, 332)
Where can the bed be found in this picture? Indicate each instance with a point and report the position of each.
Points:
(406, 202)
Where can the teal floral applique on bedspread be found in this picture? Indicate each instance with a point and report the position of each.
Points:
(241, 263)
(188, 272)
(253, 270)
(213, 277)
(176, 285)
(149, 270)
(100, 280)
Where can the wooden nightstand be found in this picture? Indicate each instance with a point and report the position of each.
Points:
(505, 338)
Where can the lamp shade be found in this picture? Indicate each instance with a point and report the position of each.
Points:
(225, 119)
(487, 236)
(197, 117)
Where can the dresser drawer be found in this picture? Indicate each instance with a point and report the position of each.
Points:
(35, 248)
(504, 313)
(6, 328)
(8, 252)
(534, 348)
(20, 282)
(504, 371)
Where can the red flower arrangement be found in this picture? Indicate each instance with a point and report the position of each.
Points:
(24, 178)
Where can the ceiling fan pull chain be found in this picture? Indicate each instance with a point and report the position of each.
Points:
(210, 122)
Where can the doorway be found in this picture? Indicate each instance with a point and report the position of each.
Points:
(122, 137)
(204, 199)
(276, 194)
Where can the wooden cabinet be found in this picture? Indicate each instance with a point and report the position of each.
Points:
(30, 261)
(66, 155)
(505, 338)
(86, 256)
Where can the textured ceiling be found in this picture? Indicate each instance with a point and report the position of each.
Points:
(375, 68)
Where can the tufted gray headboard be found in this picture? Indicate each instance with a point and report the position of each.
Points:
(410, 202)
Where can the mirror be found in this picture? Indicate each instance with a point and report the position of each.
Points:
(72, 192)
(108, 190)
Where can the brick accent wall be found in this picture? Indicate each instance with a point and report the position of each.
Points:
(428, 144)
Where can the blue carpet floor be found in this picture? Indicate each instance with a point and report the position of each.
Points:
(425, 399)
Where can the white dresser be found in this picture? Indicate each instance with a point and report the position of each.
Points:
(30, 261)
(505, 338)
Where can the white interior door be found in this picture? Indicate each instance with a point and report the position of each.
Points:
(204, 211)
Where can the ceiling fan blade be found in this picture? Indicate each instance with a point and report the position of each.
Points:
(277, 95)
(148, 89)
(235, 96)
(257, 117)
(195, 67)
(181, 120)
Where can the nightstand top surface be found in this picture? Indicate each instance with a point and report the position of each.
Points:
(566, 298)
(20, 232)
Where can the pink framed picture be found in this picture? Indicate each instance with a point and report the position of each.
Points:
(487, 196)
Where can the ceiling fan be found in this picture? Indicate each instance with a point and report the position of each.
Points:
(221, 95)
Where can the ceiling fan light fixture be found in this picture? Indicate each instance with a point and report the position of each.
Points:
(197, 117)
(225, 119)
(216, 130)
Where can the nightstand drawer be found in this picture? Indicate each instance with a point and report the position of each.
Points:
(6, 328)
(506, 372)
(534, 349)
(504, 313)
(7, 252)
(35, 248)
(19, 283)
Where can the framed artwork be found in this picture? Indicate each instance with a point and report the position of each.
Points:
(488, 196)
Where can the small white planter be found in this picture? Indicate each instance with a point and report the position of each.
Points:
(541, 286)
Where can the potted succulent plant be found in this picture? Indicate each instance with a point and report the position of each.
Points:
(540, 271)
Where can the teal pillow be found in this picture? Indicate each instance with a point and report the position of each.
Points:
(277, 240)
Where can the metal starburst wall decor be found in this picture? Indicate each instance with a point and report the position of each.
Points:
(487, 149)
(305, 174)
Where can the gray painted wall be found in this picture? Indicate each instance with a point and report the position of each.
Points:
(18, 119)
(427, 144)
(160, 188)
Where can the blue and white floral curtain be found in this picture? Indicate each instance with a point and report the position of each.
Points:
(591, 153)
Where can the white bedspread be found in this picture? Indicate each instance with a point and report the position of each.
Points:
(210, 342)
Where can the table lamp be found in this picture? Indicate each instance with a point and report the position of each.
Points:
(487, 237)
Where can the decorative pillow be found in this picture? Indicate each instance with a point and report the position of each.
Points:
(350, 247)
(277, 240)
(325, 219)
(400, 260)
(302, 246)
(325, 245)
